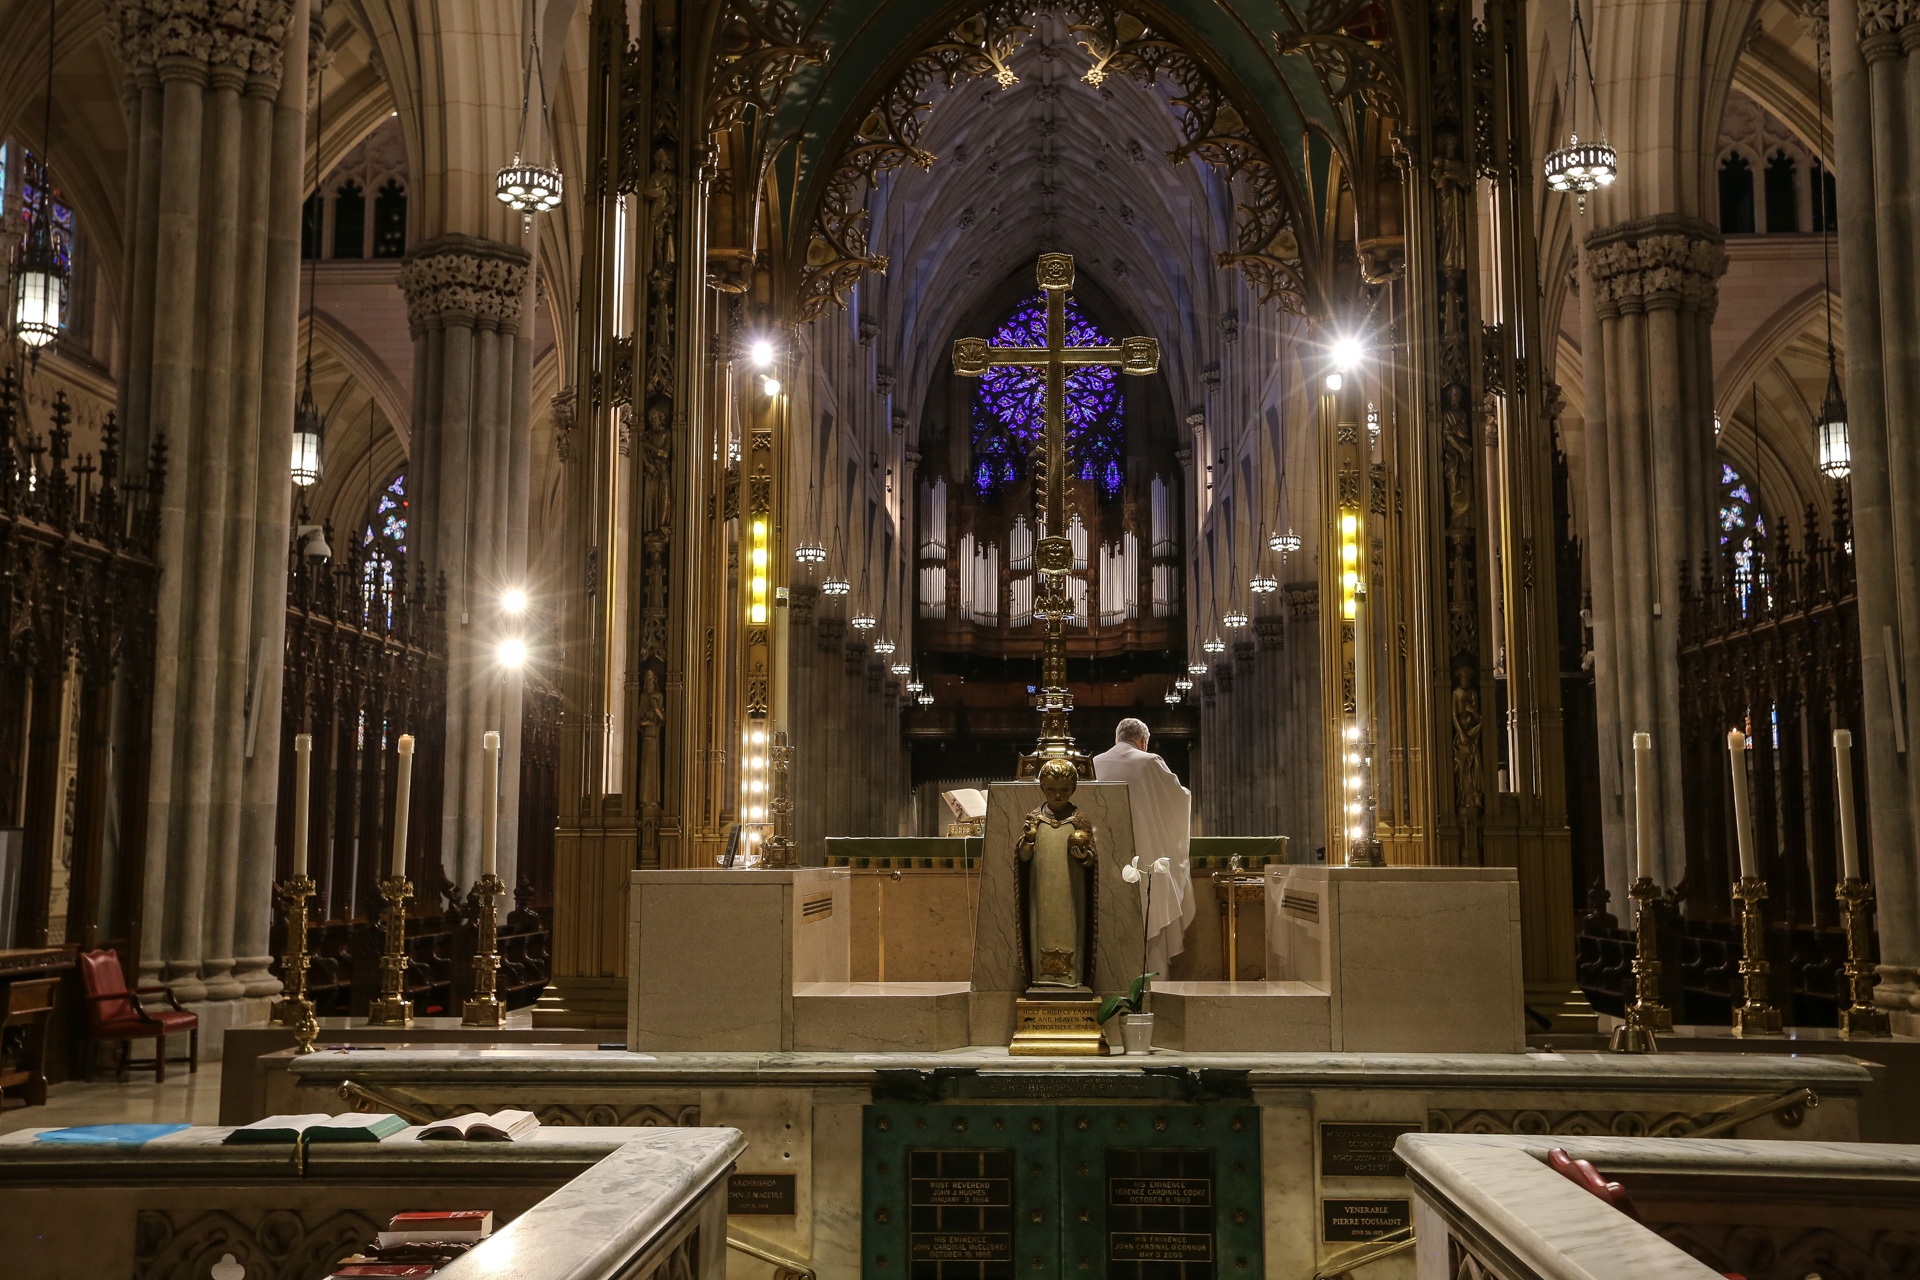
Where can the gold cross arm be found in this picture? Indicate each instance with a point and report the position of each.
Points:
(972, 357)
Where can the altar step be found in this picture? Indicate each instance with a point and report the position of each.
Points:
(880, 1017)
(1242, 1017)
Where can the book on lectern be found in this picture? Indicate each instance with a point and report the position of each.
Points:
(478, 1126)
(318, 1127)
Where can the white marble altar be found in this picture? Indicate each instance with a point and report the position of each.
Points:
(718, 954)
(1413, 959)
(998, 971)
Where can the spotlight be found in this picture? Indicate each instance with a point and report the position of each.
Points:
(770, 385)
(1334, 382)
(513, 653)
(514, 600)
(762, 353)
(1347, 353)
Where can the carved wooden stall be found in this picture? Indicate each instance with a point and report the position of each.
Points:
(1774, 651)
(77, 590)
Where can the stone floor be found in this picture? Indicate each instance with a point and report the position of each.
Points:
(184, 1099)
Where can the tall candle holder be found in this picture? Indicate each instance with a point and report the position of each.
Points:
(1860, 1020)
(486, 1009)
(393, 1009)
(1756, 1015)
(1646, 1015)
(294, 1009)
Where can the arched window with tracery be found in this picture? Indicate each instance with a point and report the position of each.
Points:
(1736, 195)
(390, 221)
(1007, 417)
(1783, 194)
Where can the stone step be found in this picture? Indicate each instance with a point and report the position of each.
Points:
(1242, 1017)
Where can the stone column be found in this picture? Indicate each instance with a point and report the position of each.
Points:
(1874, 86)
(468, 310)
(1650, 435)
(216, 115)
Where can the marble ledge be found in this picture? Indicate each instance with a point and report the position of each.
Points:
(200, 1152)
(1718, 1073)
(1693, 1157)
(599, 1223)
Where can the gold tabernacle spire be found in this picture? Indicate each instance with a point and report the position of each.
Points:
(1053, 557)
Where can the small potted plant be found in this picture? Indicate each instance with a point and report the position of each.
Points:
(1136, 1030)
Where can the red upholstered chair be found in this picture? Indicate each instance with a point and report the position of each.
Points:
(115, 1013)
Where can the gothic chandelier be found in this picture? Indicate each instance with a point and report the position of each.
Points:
(1171, 697)
(1830, 437)
(914, 685)
(1285, 543)
(863, 622)
(1214, 644)
(902, 668)
(883, 646)
(1263, 584)
(527, 188)
(1184, 683)
(810, 553)
(39, 277)
(1197, 668)
(309, 427)
(1235, 620)
(1581, 167)
(836, 587)
(925, 699)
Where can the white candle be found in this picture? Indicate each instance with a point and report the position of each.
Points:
(1843, 779)
(1643, 786)
(302, 763)
(489, 801)
(1742, 812)
(402, 787)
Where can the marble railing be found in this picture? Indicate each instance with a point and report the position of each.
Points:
(1688, 1209)
(576, 1203)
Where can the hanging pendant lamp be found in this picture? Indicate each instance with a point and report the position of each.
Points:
(1832, 443)
(1579, 168)
(523, 187)
(39, 277)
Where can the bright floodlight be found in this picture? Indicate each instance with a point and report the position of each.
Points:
(1347, 353)
(513, 653)
(514, 600)
(1334, 382)
(770, 385)
(762, 353)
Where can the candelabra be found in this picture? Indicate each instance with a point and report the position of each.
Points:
(294, 1009)
(1860, 1020)
(776, 854)
(393, 1009)
(1757, 1016)
(486, 1009)
(1646, 1014)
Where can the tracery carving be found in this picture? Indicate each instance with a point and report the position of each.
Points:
(183, 1245)
(1347, 48)
(761, 45)
(1573, 1123)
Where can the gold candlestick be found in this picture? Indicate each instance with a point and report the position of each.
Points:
(486, 1009)
(1860, 1020)
(777, 853)
(1757, 1016)
(393, 1009)
(293, 1008)
(1646, 1014)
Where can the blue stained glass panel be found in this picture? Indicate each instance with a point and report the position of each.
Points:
(1008, 418)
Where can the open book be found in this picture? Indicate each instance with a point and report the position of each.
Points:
(318, 1127)
(501, 1126)
(968, 804)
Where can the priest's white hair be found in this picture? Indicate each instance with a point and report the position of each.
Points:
(1133, 731)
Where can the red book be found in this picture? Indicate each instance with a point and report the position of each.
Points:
(455, 1224)
(383, 1269)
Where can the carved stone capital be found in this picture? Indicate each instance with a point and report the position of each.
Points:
(1886, 17)
(245, 35)
(462, 280)
(1668, 261)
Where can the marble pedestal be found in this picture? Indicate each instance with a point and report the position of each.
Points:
(999, 973)
(1413, 959)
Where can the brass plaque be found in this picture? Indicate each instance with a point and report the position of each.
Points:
(962, 1246)
(1360, 1221)
(960, 1206)
(761, 1194)
(1361, 1150)
(1047, 1027)
(1160, 1246)
(1169, 1193)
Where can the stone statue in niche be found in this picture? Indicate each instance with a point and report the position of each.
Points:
(1058, 880)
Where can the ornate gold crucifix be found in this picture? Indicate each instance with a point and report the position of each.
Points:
(1053, 556)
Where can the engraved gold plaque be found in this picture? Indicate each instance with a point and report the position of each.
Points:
(1054, 555)
(1056, 1028)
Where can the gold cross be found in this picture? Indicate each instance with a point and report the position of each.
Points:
(1053, 556)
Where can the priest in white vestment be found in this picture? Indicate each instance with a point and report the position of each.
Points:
(1161, 824)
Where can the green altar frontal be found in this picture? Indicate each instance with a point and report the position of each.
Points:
(1143, 1179)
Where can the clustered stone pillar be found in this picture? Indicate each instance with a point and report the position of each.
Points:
(1876, 119)
(216, 111)
(469, 306)
(1649, 289)
(1257, 757)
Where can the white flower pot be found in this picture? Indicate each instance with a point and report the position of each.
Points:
(1137, 1032)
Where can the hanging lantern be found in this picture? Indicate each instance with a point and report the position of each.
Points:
(810, 553)
(1263, 584)
(1235, 621)
(1171, 697)
(836, 587)
(1196, 668)
(1579, 167)
(528, 188)
(307, 430)
(925, 699)
(39, 281)
(1214, 644)
(1285, 543)
(1183, 684)
(863, 622)
(883, 646)
(914, 685)
(1830, 428)
(902, 668)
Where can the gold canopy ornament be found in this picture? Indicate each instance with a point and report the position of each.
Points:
(1053, 556)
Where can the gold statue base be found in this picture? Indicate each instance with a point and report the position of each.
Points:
(1057, 1028)
(1865, 1024)
(484, 1013)
(390, 1013)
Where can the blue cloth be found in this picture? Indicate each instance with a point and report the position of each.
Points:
(117, 1135)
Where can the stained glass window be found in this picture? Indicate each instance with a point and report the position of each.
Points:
(1007, 418)
(384, 539)
(33, 180)
(1743, 532)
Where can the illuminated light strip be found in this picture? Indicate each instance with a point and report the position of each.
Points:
(757, 590)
